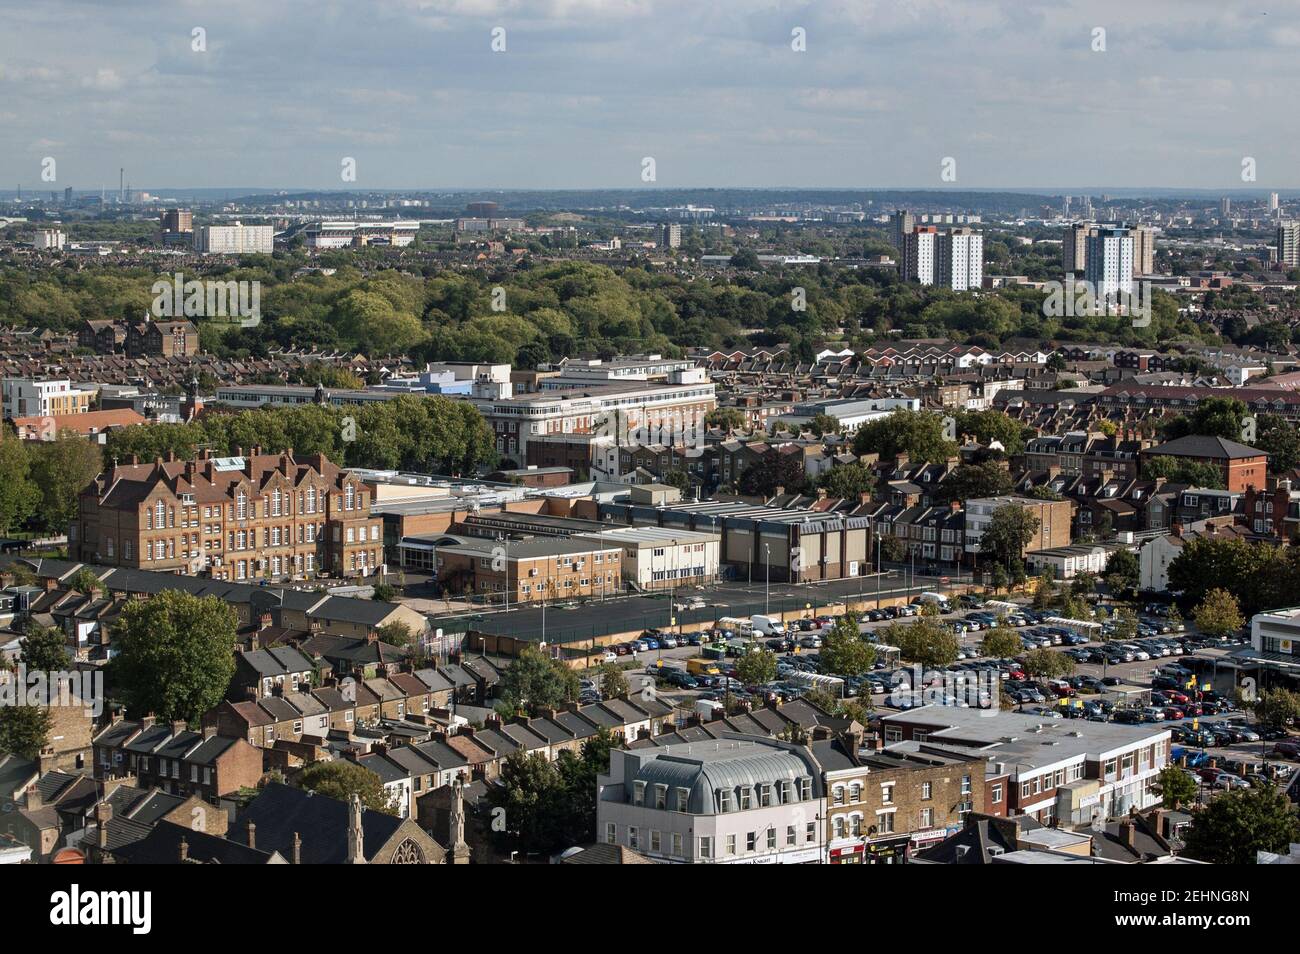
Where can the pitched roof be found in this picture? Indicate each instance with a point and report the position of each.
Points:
(1204, 445)
(320, 822)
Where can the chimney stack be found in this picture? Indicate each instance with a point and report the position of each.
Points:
(252, 835)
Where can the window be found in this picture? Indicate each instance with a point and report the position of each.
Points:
(632, 841)
(790, 835)
(927, 818)
(661, 797)
(996, 793)
(927, 791)
(838, 793)
(771, 839)
(887, 793)
(655, 843)
(731, 844)
(885, 823)
(751, 841)
(965, 784)
(724, 800)
(706, 847)
(683, 794)
(855, 792)
(638, 793)
(677, 844)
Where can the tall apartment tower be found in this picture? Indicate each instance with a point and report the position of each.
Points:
(672, 237)
(901, 222)
(1109, 268)
(917, 254)
(959, 259)
(1288, 244)
(1074, 246)
(1144, 250)
(1272, 201)
(1225, 206)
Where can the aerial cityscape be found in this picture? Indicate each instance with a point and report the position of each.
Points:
(620, 433)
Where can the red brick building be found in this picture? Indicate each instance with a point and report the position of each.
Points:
(1241, 466)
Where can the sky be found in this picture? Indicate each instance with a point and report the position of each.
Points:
(1019, 93)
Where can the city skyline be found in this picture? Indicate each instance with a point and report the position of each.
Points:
(584, 91)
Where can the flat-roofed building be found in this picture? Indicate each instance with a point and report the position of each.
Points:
(1065, 770)
(526, 571)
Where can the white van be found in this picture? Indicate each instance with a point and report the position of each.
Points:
(767, 625)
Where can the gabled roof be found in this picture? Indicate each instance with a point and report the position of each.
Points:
(321, 823)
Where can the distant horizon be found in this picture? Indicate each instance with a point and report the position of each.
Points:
(1126, 192)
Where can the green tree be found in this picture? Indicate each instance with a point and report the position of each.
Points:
(534, 681)
(844, 651)
(62, 468)
(848, 480)
(1122, 574)
(45, 648)
(989, 426)
(1218, 614)
(384, 592)
(967, 481)
(342, 779)
(757, 667)
(1126, 625)
(823, 424)
(727, 419)
(1010, 529)
(775, 469)
(1176, 787)
(1002, 642)
(1277, 708)
(1238, 824)
(918, 434)
(85, 581)
(529, 797)
(1278, 438)
(925, 641)
(613, 682)
(24, 730)
(1043, 663)
(578, 775)
(1178, 470)
(396, 633)
(175, 654)
(19, 496)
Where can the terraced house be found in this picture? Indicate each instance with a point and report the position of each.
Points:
(257, 517)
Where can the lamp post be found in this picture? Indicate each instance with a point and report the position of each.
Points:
(767, 588)
(505, 568)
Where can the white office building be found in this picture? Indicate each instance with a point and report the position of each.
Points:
(734, 800)
(237, 239)
(662, 558)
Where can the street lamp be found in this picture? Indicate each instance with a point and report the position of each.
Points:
(767, 589)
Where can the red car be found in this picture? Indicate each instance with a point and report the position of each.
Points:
(1173, 714)
(1180, 698)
